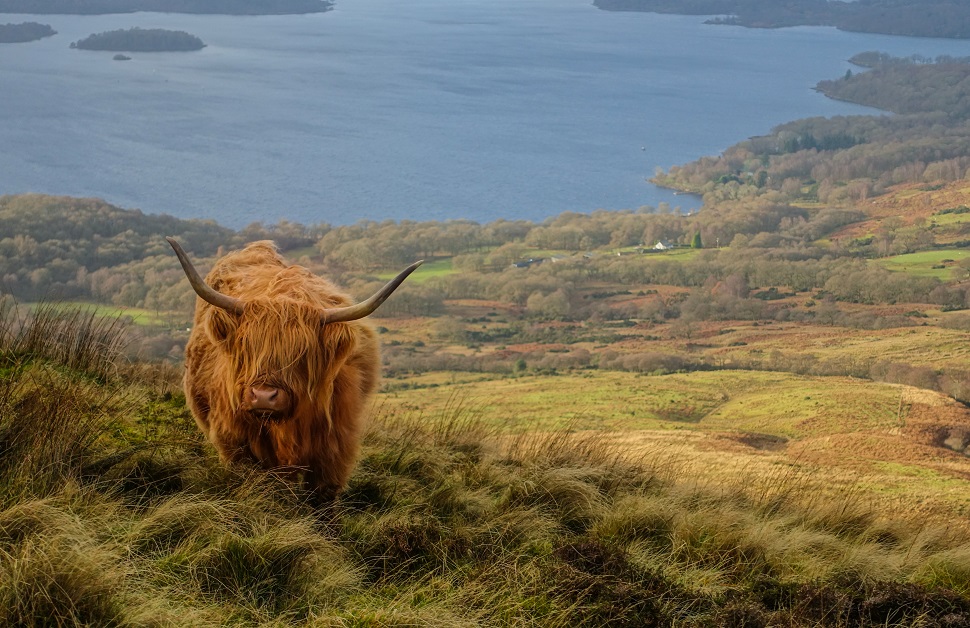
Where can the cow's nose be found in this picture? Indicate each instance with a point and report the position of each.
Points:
(267, 398)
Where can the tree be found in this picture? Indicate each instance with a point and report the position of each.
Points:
(696, 243)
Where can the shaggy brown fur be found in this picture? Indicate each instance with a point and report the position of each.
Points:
(326, 371)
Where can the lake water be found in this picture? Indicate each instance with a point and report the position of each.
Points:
(427, 110)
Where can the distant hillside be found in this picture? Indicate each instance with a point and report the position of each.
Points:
(62, 247)
(225, 7)
(916, 18)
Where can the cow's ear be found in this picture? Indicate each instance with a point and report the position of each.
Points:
(221, 325)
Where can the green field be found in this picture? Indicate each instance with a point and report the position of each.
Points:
(428, 270)
(926, 263)
(950, 219)
(138, 316)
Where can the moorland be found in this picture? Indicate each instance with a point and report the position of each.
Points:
(755, 414)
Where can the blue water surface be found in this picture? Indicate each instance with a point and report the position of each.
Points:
(426, 110)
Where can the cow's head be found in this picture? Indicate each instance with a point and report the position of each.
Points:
(279, 350)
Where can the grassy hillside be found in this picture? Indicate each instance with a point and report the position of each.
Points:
(890, 439)
(114, 512)
(574, 429)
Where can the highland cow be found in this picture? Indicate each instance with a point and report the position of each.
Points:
(280, 365)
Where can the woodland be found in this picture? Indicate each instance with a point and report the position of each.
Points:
(915, 18)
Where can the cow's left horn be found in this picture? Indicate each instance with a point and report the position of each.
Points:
(365, 308)
(205, 292)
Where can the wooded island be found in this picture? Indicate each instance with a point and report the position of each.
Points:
(141, 40)
(27, 31)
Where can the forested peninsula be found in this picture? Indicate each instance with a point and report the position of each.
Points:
(851, 158)
(915, 18)
(206, 7)
(27, 31)
(141, 40)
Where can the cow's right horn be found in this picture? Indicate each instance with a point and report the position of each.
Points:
(205, 292)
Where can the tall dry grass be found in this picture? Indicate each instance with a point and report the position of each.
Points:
(74, 337)
(114, 512)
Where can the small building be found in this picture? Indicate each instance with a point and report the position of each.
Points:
(663, 245)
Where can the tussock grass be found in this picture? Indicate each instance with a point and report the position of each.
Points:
(113, 512)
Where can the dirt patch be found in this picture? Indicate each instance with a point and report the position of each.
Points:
(762, 442)
(931, 399)
(860, 451)
(955, 438)
(938, 421)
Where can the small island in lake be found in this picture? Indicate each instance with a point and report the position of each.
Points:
(27, 31)
(140, 40)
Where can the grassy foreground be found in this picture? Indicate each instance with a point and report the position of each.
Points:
(114, 512)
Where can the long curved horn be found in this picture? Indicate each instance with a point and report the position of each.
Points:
(365, 308)
(206, 293)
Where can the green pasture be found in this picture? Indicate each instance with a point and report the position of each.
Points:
(779, 404)
(546, 253)
(950, 219)
(138, 316)
(922, 264)
(798, 407)
(681, 255)
(428, 270)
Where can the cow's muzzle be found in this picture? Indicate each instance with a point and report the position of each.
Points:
(267, 402)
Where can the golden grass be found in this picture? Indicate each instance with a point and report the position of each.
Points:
(753, 498)
(831, 432)
(775, 403)
(930, 345)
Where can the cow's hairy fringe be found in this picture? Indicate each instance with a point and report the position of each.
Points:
(281, 320)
